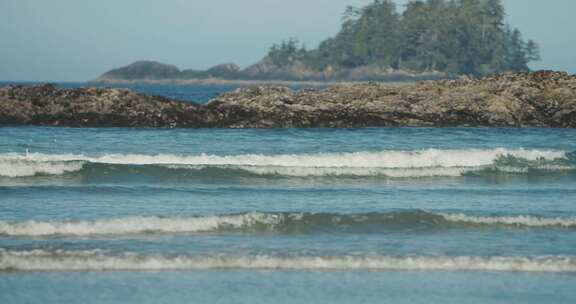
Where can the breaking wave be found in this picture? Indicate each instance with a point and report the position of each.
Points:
(394, 164)
(256, 222)
(96, 260)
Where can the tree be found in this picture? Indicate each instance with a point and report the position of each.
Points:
(532, 51)
(453, 36)
(424, 25)
(286, 52)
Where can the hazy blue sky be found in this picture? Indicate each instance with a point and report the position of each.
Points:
(70, 40)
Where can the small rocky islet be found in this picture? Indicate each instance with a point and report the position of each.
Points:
(534, 99)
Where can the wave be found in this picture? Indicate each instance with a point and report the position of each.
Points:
(97, 260)
(139, 225)
(257, 222)
(23, 168)
(517, 221)
(395, 164)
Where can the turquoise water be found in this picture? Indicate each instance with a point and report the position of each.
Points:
(399, 215)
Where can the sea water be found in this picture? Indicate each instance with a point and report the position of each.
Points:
(398, 215)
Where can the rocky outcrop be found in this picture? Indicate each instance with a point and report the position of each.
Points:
(92, 107)
(539, 99)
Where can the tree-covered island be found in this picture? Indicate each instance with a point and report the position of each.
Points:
(428, 39)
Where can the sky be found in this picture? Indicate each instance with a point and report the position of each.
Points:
(77, 40)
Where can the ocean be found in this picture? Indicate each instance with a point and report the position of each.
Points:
(376, 215)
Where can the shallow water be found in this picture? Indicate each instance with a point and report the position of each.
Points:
(403, 215)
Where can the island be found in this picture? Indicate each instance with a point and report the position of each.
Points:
(428, 40)
(525, 99)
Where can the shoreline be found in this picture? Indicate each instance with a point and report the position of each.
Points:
(220, 81)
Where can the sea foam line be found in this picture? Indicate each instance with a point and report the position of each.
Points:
(41, 260)
(135, 225)
(365, 162)
(267, 222)
(23, 168)
(521, 220)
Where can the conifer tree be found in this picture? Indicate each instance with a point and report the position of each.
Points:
(452, 36)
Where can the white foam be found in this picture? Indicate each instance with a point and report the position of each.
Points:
(22, 168)
(357, 171)
(168, 225)
(521, 220)
(40, 260)
(136, 225)
(382, 159)
(430, 162)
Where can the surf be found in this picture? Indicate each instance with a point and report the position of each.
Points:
(99, 260)
(280, 223)
(391, 163)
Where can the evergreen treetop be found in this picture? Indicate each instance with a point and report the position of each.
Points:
(460, 37)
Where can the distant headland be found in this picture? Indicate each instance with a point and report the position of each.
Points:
(429, 40)
(262, 73)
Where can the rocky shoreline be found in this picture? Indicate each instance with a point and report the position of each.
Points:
(538, 99)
